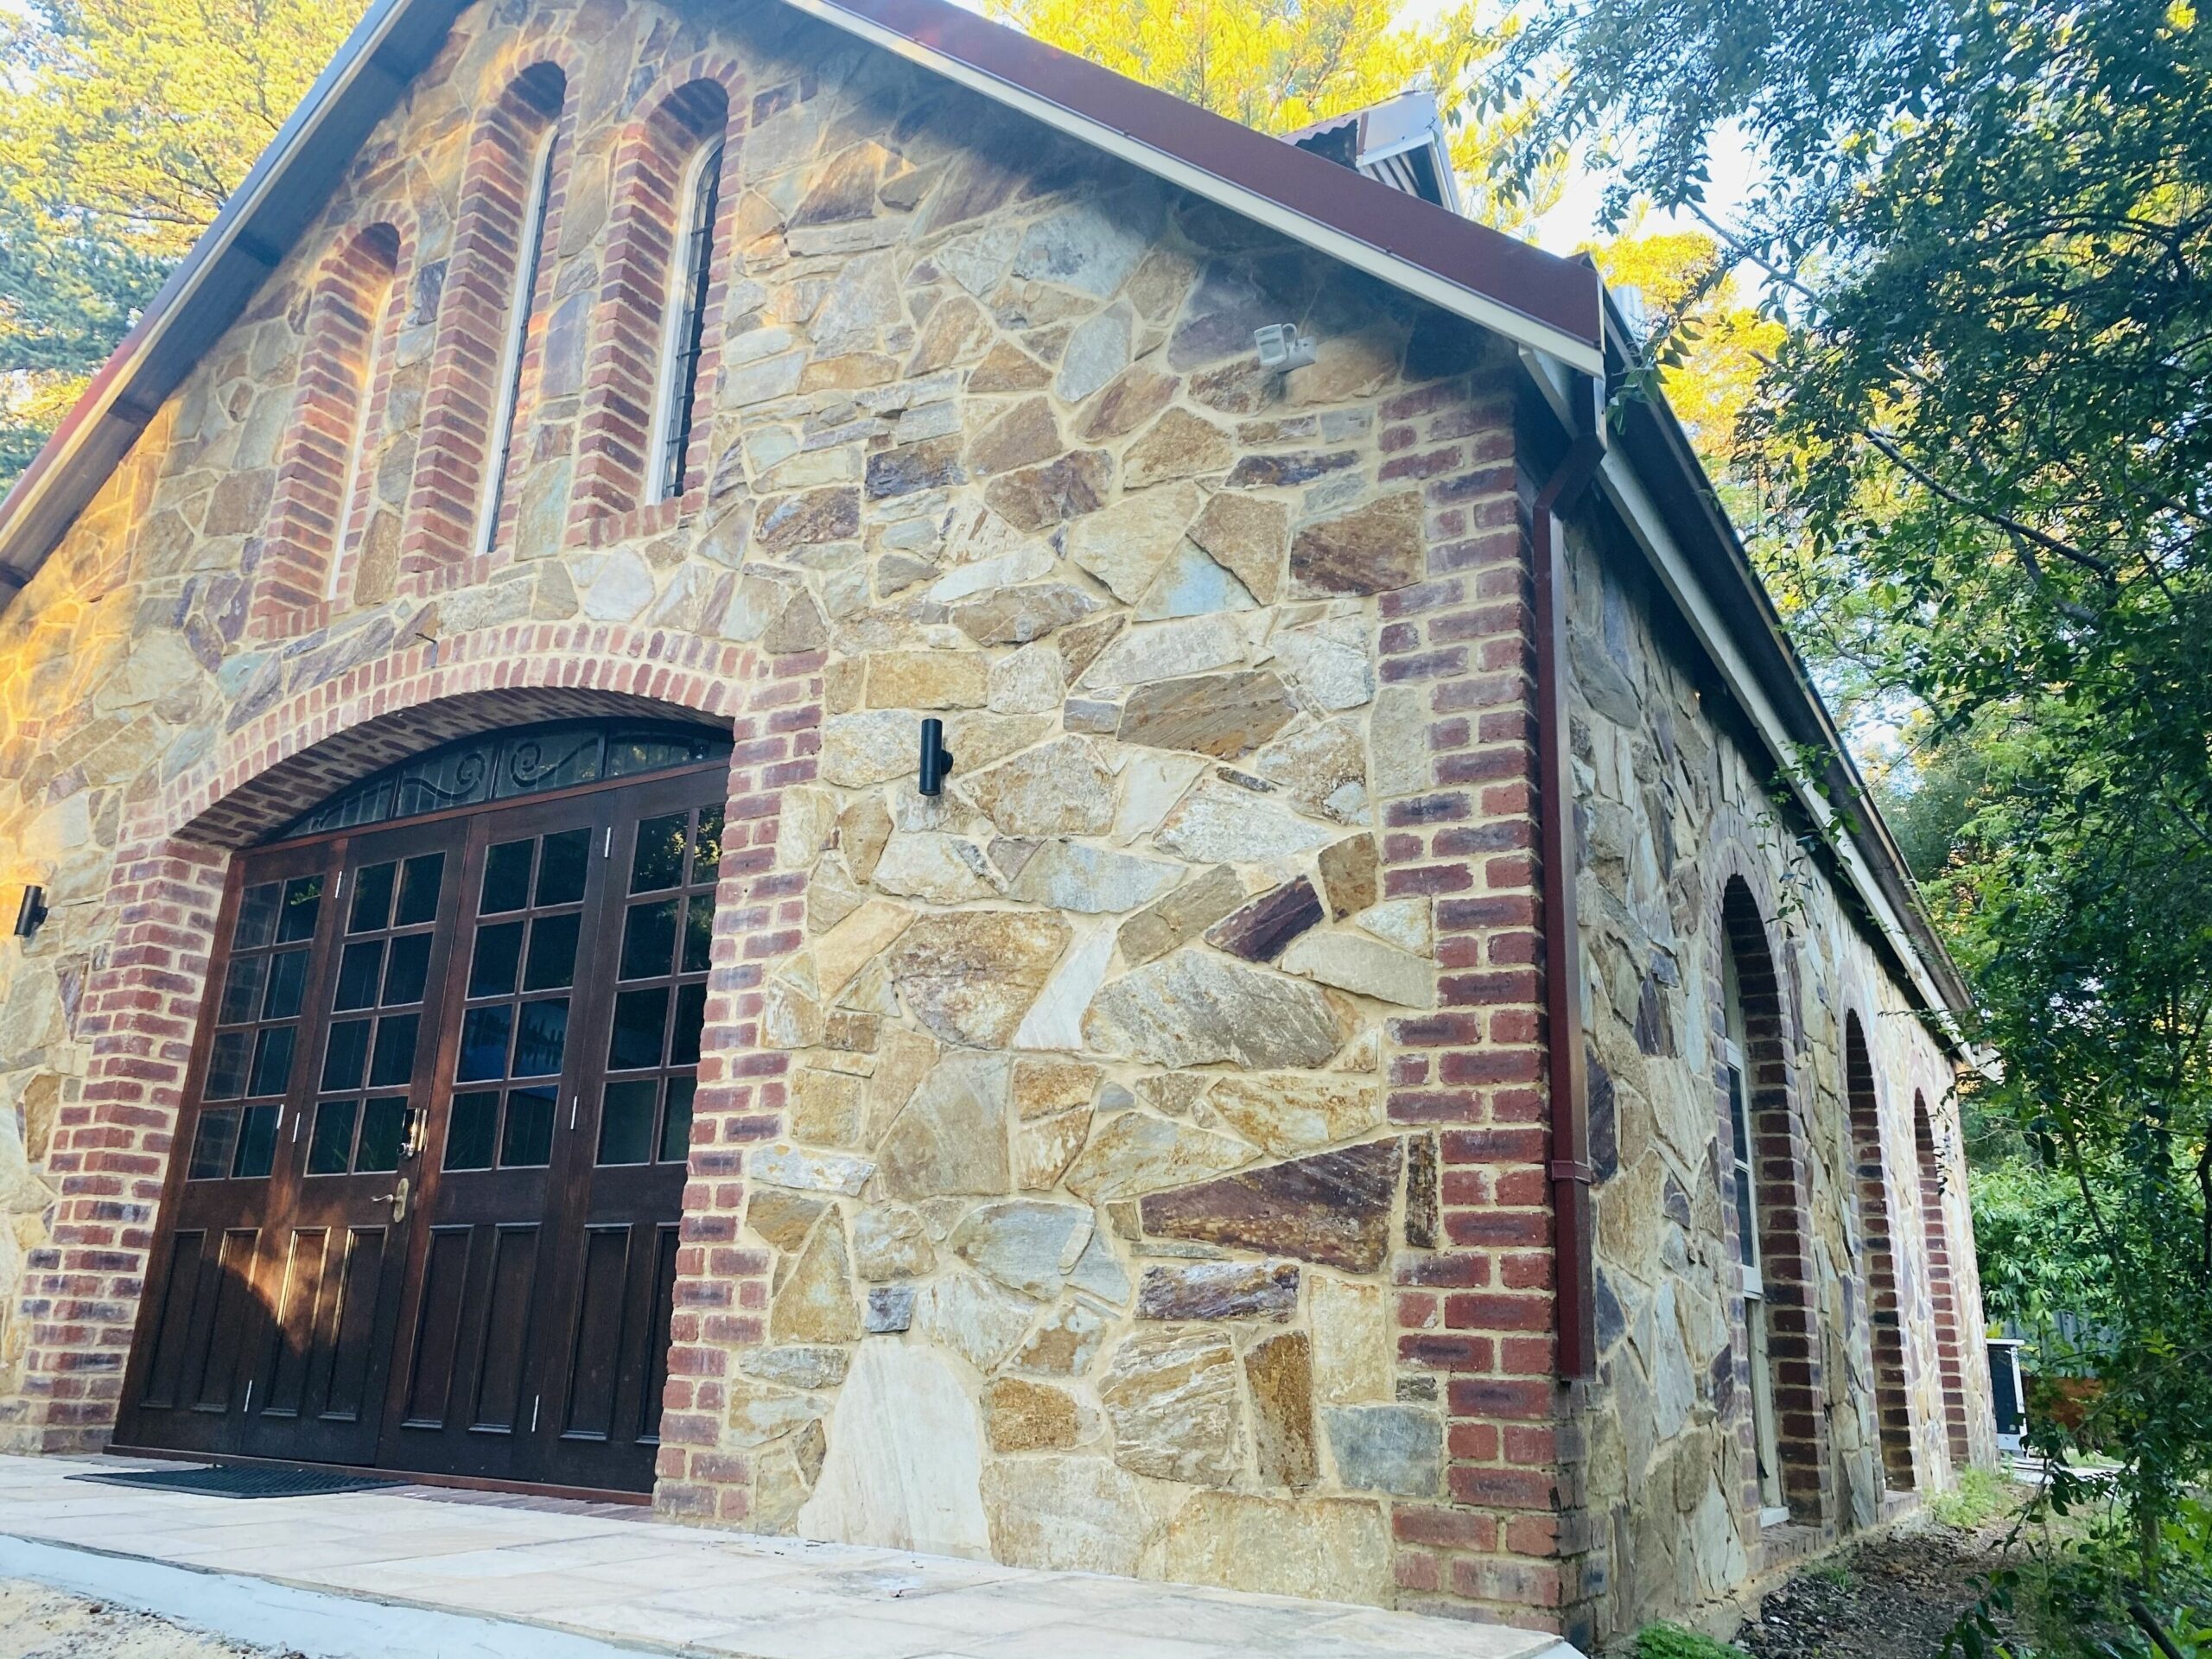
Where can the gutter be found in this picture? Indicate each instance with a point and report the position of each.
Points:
(1572, 1225)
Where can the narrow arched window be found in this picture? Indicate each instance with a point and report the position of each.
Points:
(1744, 1165)
(521, 307)
(691, 283)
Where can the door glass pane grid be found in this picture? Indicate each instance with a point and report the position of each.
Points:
(376, 1015)
(257, 1018)
(660, 999)
(523, 946)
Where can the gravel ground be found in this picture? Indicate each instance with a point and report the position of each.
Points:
(1894, 1598)
(36, 1622)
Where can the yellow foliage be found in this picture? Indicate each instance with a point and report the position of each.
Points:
(145, 114)
(1724, 339)
(1280, 64)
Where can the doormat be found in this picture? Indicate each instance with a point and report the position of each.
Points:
(241, 1480)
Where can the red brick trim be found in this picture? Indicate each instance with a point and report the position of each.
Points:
(110, 1152)
(1782, 1165)
(1475, 1315)
(1942, 1286)
(688, 108)
(453, 466)
(324, 474)
(1885, 1332)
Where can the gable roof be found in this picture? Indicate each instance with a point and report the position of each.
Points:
(1555, 309)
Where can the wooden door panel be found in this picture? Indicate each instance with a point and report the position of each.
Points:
(343, 1371)
(505, 1320)
(598, 1356)
(302, 1318)
(172, 1319)
(437, 1327)
(213, 1347)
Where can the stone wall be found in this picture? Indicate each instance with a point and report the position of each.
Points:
(1674, 805)
(1133, 1158)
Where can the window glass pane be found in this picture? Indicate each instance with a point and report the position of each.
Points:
(507, 878)
(659, 860)
(625, 1121)
(226, 1065)
(470, 1125)
(675, 1123)
(527, 1141)
(649, 940)
(256, 922)
(707, 847)
(241, 990)
(212, 1146)
(498, 949)
(346, 1056)
(418, 890)
(330, 1146)
(552, 953)
(410, 967)
(549, 759)
(699, 933)
(359, 969)
(540, 1038)
(303, 904)
(272, 1060)
(383, 1122)
(256, 1143)
(640, 1017)
(395, 1056)
(690, 1015)
(484, 1034)
(288, 985)
(560, 867)
(370, 911)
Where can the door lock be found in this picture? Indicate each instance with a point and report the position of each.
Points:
(398, 1199)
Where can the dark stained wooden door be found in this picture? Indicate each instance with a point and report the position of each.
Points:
(438, 1124)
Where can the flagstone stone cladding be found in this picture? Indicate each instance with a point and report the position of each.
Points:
(1134, 1158)
(1672, 808)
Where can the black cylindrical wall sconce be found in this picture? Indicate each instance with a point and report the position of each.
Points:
(31, 913)
(937, 759)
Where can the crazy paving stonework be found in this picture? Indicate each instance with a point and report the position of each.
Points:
(1134, 1158)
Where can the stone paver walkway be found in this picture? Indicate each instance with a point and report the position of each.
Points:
(424, 1571)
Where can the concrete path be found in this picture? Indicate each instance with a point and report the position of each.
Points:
(416, 1571)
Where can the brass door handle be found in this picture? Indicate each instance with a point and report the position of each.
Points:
(397, 1198)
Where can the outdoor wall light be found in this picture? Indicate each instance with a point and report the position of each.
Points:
(1281, 347)
(937, 759)
(31, 913)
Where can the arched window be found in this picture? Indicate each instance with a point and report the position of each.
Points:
(690, 283)
(522, 308)
(1942, 1292)
(489, 316)
(315, 517)
(1892, 1406)
(1767, 1165)
(654, 342)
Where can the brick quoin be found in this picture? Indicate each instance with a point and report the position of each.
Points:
(1476, 1316)
(1892, 1401)
(110, 1150)
(1943, 1290)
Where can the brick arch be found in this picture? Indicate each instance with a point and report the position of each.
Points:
(1943, 1284)
(1878, 1259)
(111, 1148)
(1781, 1167)
(687, 107)
(356, 304)
(455, 465)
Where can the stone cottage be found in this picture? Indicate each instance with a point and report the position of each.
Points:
(1383, 1072)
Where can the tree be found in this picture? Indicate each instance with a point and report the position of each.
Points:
(1280, 64)
(1983, 455)
(124, 125)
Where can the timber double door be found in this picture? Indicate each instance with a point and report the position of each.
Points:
(424, 1209)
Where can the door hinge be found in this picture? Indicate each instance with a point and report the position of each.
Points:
(338, 886)
(535, 1400)
(572, 1112)
(248, 1412)
(607, 843)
